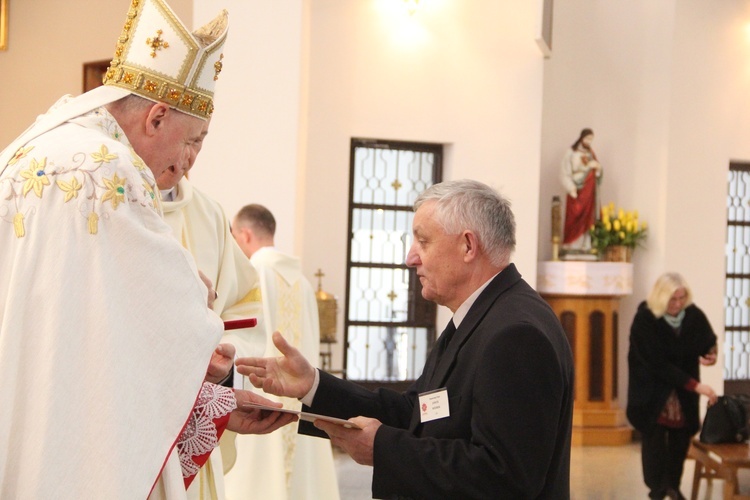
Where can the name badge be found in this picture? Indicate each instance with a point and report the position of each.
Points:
(433, 405)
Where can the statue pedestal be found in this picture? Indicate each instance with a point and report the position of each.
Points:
(586, 298)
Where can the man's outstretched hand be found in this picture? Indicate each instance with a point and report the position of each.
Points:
(289, 375)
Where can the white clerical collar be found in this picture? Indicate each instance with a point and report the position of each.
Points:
(463, 309)
(168, 194)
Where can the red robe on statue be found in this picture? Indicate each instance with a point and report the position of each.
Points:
(580, 212)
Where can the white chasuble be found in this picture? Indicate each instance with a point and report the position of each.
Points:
(285, 465)
(200, 225)
(104, 331)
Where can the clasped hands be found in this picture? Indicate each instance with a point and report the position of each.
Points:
(291, 375)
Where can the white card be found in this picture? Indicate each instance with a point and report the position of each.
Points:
(433, 405)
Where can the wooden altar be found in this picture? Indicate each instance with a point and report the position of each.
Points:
(586, 298)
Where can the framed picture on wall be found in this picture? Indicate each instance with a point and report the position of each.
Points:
(4, 24)
(93, 73)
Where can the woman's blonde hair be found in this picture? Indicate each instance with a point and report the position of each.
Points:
(665, 286)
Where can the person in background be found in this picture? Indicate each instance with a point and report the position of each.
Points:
(491, 414)
(580, 175)
(294, 466)
(108, 351)
(669, 339)
(199, 223)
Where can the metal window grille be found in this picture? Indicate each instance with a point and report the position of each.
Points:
(389, 327)
(737, 294)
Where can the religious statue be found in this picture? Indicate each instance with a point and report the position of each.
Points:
(580, 175)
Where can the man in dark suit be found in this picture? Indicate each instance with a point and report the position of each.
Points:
(491, 414)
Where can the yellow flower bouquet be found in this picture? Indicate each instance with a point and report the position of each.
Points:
(617, 227)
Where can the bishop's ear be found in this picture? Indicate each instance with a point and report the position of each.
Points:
(157, 114)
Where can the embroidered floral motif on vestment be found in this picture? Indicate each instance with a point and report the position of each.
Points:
(97, 180)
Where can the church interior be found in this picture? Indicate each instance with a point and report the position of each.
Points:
(504, 86)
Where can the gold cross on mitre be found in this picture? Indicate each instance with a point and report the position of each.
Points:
(156, 43)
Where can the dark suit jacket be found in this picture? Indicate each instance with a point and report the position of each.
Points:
(509, 375)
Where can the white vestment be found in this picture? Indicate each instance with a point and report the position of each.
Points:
(104, 332)
(285, 465)
(199, 223)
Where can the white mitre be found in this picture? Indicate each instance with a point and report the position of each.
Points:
(157, 58)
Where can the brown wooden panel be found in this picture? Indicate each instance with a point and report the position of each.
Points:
(596, 356)
(615, 352)
(568, 321)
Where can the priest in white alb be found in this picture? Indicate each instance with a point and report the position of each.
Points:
(201, 226)
(108, 349)
(294, 466)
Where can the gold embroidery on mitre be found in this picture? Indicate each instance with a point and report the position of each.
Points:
(174, 95)
(218, 66)
(150, 86)
(157, 43)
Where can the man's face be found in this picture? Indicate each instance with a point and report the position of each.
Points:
(168, 139)
(172, 174)
(438, 258)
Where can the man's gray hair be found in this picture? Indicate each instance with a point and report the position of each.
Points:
(131, 103)
(468, 204)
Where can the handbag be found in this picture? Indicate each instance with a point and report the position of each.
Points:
(726, 421)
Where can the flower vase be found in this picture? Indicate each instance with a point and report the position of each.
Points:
(617, 253)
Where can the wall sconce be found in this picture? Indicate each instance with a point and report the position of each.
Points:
(411, 6)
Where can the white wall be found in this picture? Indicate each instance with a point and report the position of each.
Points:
(609, 71)
(251, 153)
(664, 85)
(48, 42)
(466, 74)
(709, 126)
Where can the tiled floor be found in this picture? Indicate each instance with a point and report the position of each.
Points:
(597, 473)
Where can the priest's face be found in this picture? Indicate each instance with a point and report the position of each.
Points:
(172, 175)
(437, 257)
(167, 139)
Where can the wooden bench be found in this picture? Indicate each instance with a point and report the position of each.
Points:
(719, 461)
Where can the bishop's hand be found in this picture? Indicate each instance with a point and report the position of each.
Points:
(244, 420)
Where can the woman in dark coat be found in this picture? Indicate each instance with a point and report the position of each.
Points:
(668, 339)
